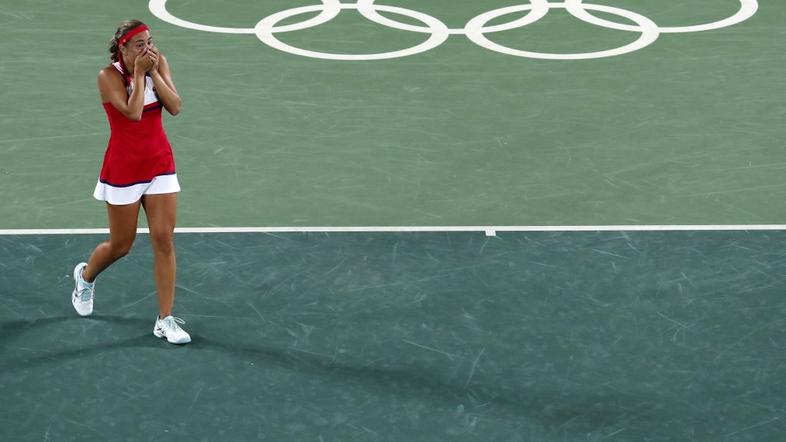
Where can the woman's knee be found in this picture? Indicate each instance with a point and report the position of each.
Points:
(163, 241)
(121, 248)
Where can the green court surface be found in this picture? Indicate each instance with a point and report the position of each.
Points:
(539, 336)
(611, 334)
(688, 130)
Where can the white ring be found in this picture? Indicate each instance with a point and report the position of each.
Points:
(330, 9)
(266, 28)
(648, 29)
(539, 9)
(747, 9)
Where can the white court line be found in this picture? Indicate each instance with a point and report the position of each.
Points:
(488, 230)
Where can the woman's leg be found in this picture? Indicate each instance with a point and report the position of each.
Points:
(122, 232)
(161, 211)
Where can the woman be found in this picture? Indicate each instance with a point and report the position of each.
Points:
(138, 170)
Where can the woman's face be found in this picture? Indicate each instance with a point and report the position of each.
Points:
(137, 46)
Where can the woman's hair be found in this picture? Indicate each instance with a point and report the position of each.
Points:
(124, 27)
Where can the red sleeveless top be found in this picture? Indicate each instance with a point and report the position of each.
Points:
(138, 151)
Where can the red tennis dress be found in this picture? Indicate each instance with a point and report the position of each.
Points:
(138, 160)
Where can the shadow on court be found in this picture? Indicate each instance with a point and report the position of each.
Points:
(538, 401)
(13, 331)
(542, 402)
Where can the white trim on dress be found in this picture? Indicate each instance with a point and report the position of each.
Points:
(119, 196)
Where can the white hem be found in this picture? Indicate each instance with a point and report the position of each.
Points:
(130, 194)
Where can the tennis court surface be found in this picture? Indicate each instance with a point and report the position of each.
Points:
(442, 220)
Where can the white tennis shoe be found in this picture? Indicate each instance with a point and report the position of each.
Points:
(168, 328)
(82, 296)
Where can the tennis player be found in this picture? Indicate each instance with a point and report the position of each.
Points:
(138, 170)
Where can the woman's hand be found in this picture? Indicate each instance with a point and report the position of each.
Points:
(155, 56)
(144, 63)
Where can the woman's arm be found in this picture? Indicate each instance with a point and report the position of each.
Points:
(113, 90)
(165, 87)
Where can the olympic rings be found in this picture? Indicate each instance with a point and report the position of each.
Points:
(647, 27)
(476, 29)
(266, 27)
